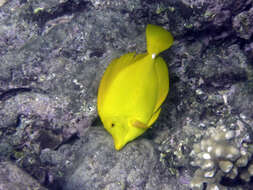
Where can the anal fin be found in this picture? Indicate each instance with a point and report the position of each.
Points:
(163, 81)
(154, 117)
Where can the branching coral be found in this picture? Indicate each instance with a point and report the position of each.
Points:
(221, 154)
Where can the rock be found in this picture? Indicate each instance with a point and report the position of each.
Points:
(243, 24)
(98, 165)
(53, 54)
(2, 2)
(13, 178)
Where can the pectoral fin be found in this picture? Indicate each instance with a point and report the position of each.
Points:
(139, 124)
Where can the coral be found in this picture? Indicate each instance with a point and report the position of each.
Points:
(221, 154)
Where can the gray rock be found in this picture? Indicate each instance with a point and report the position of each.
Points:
(243, 24)
(5, 150)
(99, 166)
(53, 54)
(13, 178)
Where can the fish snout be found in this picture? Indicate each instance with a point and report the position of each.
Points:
(119, 143)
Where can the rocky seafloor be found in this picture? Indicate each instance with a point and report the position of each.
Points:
(52, 56)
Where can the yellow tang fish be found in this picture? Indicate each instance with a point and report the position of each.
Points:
(133, 88)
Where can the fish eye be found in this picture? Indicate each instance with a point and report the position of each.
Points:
(113, 125)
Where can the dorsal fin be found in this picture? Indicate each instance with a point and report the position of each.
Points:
(116, 66)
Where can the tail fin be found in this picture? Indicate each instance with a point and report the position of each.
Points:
(158, 39)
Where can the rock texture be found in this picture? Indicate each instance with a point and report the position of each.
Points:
(53, 54)
(13, 178)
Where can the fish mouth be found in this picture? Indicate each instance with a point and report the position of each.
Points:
(119, 143)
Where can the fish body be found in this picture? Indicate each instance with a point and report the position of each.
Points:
(133, 89)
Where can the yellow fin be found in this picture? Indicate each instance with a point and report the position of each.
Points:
(158, 39)
(112, 70)
(163, 81)
(139, 56)
(139, 124)
(154, 117)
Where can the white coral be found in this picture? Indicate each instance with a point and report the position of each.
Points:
(218, 156)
